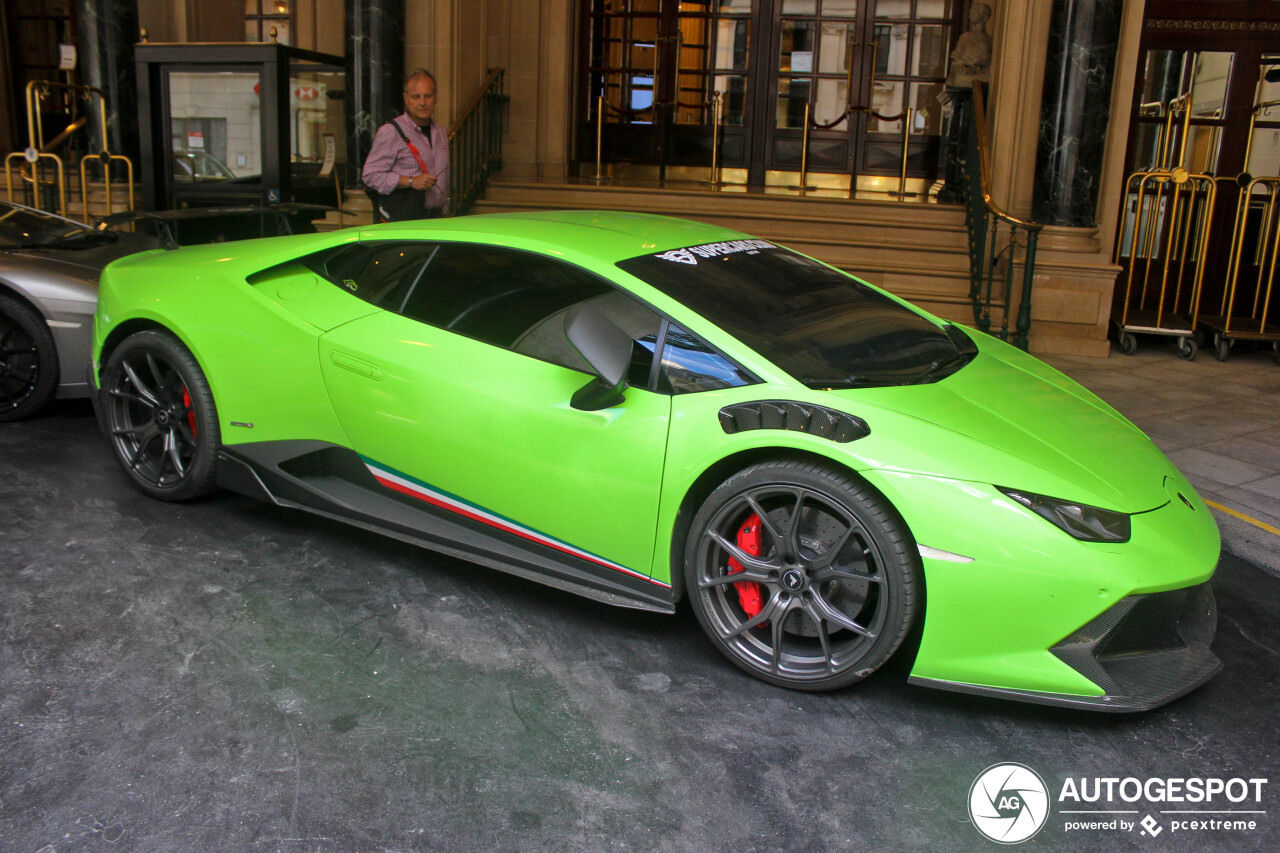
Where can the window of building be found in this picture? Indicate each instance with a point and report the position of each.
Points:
(262, 16)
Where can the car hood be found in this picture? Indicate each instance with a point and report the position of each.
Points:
(1010, 420)
(91, 259)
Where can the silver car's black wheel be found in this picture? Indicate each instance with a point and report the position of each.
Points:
(801, 575)
(160, 417)
(28, 361)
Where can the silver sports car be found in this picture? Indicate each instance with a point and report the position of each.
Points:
(49, 269)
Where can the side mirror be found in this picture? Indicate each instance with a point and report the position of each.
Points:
(607, 349)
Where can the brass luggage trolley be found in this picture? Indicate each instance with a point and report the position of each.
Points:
(1245, 316)
(1167, 241)
(40, 170)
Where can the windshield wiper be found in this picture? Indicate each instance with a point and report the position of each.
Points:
(819, 383)
(936, 366)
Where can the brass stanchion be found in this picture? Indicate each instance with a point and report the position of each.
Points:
(804, 156)
(600, 106)
(716, 117)
(906, 140)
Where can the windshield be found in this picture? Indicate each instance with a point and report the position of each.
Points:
(26, 227)
(198, 166)
(823, 327)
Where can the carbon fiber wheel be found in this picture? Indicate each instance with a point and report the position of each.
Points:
(28, 361)
(160, 417)
(801, 575)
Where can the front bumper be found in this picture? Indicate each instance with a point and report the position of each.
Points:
(1143, 651)
(996, 625)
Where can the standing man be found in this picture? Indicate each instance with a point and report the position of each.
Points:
(407, 171)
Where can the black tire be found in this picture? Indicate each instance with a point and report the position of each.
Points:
(1222, 349)
(160, 417)
(1188, 348)
(1128, 343)
(839, 595)
(28, 361)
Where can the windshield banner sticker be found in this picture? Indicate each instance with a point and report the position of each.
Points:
(711, 250)
(680, 256)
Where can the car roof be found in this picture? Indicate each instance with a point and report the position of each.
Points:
(606, 235)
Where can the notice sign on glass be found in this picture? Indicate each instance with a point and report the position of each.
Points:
(330, 154)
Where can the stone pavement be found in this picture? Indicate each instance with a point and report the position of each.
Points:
(1218, 421)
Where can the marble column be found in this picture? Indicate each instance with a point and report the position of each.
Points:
(375, 74)
(1075, 110)
(108, 32)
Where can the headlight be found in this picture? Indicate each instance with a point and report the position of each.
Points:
(1079, 520)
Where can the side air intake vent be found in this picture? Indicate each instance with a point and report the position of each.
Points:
(782, 414)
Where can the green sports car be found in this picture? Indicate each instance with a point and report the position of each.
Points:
(645, 410)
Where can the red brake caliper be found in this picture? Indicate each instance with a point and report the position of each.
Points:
(191, 413)
(750, 596)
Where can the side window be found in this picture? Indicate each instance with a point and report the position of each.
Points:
(380, 273)
(518, 301)
(689, 365)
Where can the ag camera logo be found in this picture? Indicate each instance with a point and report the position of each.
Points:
(1008, 803)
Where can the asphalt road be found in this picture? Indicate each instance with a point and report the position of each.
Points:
(226, 675)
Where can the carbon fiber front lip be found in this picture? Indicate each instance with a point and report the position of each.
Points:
(1105, 703)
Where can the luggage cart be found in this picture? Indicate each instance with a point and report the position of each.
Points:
(1245, 316)
(1166, 239)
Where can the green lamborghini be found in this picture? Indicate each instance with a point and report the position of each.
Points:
(645, 411)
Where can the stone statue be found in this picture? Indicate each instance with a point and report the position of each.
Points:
(971, 60)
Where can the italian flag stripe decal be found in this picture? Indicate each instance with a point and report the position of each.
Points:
(415, 488)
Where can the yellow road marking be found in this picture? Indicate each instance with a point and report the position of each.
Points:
(1262, 525)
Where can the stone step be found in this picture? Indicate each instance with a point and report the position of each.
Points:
(918, 251)
(811, 210)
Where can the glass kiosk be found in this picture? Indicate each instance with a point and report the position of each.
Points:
(239, 124)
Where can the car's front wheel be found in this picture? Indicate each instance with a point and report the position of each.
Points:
(160, 417)
(28, 361)
(801, 575)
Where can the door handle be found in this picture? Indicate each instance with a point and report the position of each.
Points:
(356, 365)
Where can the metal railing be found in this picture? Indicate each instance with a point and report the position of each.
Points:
(998, 242)
(475, 143)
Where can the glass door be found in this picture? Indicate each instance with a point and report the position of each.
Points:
(1263, 157)
(912, 43)
(624, 71)
(711, 48)
(654, 68)
(664, 74)
(1181, 112)
(859, 66)
(818, 73)
(1206, 100)
(1256, 231)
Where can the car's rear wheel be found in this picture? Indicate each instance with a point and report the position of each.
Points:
(28, 361)
(160, 416)
(801, 575)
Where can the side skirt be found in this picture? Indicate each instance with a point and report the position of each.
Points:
(334, 482)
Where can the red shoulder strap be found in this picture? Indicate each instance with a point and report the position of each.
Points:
(412, 149)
